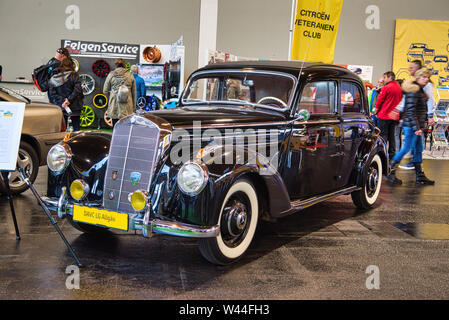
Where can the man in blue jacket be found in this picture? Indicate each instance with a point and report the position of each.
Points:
(141, 90)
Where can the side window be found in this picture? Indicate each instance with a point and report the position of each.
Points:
(350, 97)
(318, 97)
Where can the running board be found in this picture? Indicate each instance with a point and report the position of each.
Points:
(302, 204)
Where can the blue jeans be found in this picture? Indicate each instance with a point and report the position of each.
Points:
(411, 141)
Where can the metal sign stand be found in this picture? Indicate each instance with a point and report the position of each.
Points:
(42, 204)
(439, 140)
(11, 203)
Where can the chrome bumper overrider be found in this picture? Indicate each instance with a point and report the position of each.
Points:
(137, 222)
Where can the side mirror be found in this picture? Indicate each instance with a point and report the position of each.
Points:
(303, 115)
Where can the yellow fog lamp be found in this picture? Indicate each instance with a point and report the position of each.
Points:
(79, 189)
(138, 199)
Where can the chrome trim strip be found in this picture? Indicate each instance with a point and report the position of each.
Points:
(184, 230)
(302, 204)
(51, 203)
(61, 203)
(124, 165)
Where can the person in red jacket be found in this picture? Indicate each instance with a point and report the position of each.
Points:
(385, 110)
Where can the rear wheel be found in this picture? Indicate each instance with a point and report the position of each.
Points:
(238, 219)
(367, 196)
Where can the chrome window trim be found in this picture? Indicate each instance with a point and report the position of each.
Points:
(238, 71)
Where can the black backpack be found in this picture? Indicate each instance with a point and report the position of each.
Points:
(40, 77)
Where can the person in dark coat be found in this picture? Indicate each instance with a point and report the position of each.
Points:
(414, 119)
(65, 88)
(54, 63)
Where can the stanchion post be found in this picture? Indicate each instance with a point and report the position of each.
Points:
(47, 212)
(11, 203)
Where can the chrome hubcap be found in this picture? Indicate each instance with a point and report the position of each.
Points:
(25, 162)
(235, 220)
(373, 179)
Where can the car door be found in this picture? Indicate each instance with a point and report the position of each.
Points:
(352, 108)
(314, 145)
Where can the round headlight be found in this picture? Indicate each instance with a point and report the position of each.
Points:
(58, 158)
(79, 189)
(192, 178)
(138, 199)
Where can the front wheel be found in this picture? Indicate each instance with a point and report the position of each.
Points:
(238, 219)
(367, 196)
(28, 160)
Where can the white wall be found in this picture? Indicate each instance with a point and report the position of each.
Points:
(31, 30)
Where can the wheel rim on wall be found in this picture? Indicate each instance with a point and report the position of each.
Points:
(100, 101)
(101, 68)
(107, 120)
(87, 116)
(76, 64)
(87, 83)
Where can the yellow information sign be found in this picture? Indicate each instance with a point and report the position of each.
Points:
(315, 30)
(101, 217)
(424, 40)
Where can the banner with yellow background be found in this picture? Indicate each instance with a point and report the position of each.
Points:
(427, 41)
(315, 30)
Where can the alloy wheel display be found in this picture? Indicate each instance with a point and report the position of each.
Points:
(76, 64)
(100, 101)
(107, 119)
(87, 116)
(87, 83)
(101, 68)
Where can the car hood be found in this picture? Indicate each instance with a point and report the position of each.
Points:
(219, 115)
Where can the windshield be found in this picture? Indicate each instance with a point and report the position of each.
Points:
(268, 89)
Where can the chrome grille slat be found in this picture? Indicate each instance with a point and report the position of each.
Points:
(133, 148)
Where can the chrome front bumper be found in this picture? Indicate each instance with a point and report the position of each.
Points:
(137, 222)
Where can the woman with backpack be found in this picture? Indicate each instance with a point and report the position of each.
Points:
(65, 88)
(120, 88)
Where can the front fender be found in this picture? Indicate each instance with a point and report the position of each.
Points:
(89, 160)
(204, 208)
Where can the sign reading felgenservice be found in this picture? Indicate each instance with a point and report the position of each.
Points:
(11, 120)
(79, 48)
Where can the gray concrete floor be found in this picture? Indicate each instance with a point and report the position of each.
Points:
(320, 253)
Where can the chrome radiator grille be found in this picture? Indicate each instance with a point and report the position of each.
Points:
(132, 154)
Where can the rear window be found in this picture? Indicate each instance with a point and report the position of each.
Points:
(350, 98)
(318, 97)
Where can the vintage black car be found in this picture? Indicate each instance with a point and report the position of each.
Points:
(248, 141)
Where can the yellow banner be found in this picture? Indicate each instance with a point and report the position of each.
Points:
(427, 41)
(315, 30)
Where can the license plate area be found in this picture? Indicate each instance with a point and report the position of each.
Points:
(101, 217)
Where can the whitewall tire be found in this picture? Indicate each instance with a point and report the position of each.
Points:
(238, 218)
(367, 196)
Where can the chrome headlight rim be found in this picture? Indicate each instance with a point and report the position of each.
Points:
(145, 195)
(204, 173)
(68, 157)
(85, 186)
